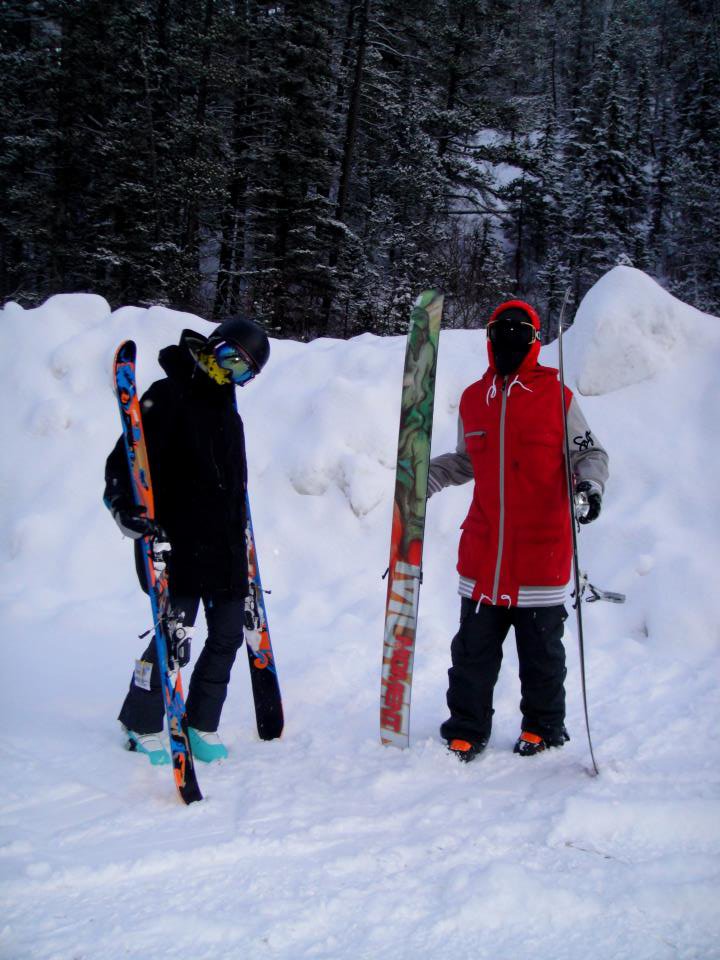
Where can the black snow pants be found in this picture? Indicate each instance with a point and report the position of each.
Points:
(143, 710)
(476, 654)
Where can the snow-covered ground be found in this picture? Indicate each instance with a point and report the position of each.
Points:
(325, 844)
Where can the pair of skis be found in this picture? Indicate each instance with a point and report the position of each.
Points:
(408, 523)
(168, 628)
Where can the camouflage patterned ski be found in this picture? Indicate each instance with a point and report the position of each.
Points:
(408, 523)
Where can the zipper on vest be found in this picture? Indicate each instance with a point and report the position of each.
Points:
(501, 533)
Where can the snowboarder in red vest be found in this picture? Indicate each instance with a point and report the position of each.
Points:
(515, 550)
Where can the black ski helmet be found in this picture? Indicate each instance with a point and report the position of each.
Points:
(251, 339)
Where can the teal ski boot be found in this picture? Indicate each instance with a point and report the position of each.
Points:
(150, 744)
(207, 747)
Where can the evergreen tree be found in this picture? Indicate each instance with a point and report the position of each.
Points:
(28, 74)
(290, 208)
(607, 182)
(475, 272)
(693, 249)
(317, 164)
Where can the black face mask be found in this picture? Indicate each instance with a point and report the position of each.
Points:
(511, 338)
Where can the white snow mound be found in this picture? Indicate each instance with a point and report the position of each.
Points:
(628, 329)
(324, 845)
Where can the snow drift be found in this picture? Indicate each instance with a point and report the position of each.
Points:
(324, 844)
(632, 330)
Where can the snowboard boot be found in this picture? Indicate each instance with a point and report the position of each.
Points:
(466, 751)
(207, 747)
(528, 744)
(150, 744)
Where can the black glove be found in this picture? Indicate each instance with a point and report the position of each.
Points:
(133, 522)
(594, 501)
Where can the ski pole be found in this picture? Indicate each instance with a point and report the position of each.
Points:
(573, 521)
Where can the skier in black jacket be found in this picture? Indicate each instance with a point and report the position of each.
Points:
(196, 449)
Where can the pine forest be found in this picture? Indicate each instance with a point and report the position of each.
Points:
(315, 163)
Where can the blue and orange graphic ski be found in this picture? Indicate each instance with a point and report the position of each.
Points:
(263, 673)
(168, 629)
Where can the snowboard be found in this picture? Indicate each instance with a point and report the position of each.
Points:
(169, 630)
(408, 520)
(263, 674)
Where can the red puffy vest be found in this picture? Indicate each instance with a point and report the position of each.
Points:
(516, 543)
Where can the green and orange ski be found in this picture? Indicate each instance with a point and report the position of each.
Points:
(408, 522)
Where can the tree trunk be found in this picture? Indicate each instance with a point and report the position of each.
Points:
(348, 147)
(190, 241)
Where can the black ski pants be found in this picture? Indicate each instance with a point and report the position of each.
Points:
(143, 710)
(476, 654)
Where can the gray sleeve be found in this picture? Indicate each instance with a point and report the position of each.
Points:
(588, 457)
(451, 469)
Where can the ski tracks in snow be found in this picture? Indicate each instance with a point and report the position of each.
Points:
(303, 849)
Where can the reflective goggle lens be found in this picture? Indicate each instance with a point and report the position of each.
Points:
(230, 357)
(520, 332)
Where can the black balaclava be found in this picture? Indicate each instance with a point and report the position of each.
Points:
(511, 336)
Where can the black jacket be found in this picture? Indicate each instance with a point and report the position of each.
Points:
(196, 450)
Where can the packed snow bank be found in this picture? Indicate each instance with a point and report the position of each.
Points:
(325, 844)
(628, 329)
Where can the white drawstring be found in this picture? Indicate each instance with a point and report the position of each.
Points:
(483, 596)
(518, 380)
(492, 392)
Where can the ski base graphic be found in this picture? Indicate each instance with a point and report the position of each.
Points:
(263, 673)
(168, 630)
(408, 524)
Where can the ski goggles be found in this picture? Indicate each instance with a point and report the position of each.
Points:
(232, 358)
(512, 332)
